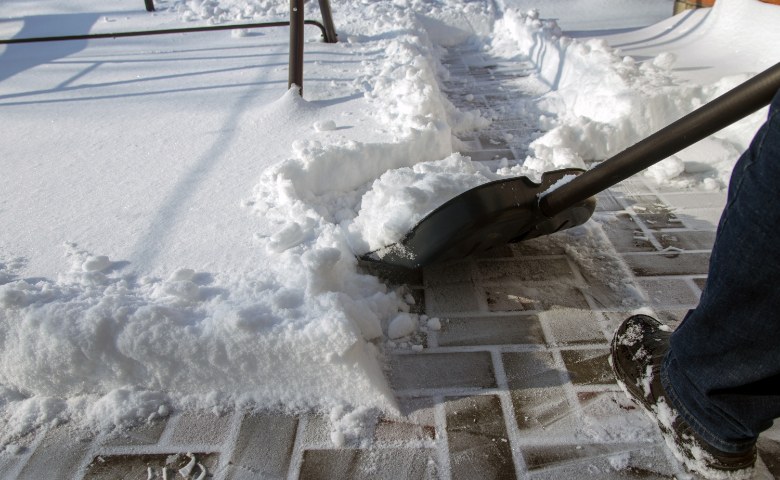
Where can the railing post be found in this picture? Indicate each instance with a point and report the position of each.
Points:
(296, 45)
(149, 4)
(327, 20)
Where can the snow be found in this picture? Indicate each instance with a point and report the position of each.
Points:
(181, 229)
(604, 98)
(592, 17)
(400, 198)
(433, 323)
(401, 326)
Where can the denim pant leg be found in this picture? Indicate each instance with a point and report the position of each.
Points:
(722, 372)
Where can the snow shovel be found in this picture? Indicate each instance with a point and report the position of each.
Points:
(515, 209)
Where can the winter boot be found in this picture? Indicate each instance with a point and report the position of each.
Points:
(638, 350)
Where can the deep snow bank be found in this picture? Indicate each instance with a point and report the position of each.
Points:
(601, 101)
(99, 333)
(103, 344)
(733, 37)
(580, 16)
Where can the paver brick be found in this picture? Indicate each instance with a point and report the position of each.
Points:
(597, 461)
(663, 292)
(478, 442)
(668, 263)
(537, 246)
(645, 204)
(157, 465)
(452, 298)
(389, 464)
(588, 367)
(607, 292)
(611, 417)
(317, 431)
(493, 330)
(687, 239)
(442, 370)
(450, 273)
(200, 427)
(701, 218)
(416, 422)
(659, 221)
(606, 202)
(61, 451)
(696, 199)
(510, 298)
(625, 234)
(524, 270)
(145, 434)
(573, 326)
(537, 391)
(264, 446)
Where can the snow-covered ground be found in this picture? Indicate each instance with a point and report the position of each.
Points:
(180, 230)
(594, 17)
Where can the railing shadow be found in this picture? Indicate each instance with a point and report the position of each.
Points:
(18, 58)
(669, 35)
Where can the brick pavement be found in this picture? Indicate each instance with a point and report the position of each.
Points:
(514, 385)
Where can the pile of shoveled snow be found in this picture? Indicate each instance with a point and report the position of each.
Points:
(103, 343)
(601, 101)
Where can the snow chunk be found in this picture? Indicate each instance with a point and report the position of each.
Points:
(325, 125)
(433, 324)
(401, 326)
(402, 197)
(620, 461)
(665, 60)
(96, 264)
(14, 449)
(354, 426)
(666, 169)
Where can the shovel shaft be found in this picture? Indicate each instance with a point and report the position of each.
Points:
(697, 125)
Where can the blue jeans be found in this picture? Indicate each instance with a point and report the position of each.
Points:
(722, 372)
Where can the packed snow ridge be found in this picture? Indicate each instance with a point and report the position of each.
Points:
(99, 328)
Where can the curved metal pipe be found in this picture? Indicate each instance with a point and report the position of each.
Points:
(160, 32)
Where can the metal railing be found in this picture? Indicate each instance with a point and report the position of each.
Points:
(296, 25)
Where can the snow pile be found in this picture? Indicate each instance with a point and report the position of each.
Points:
(97, 330)
(105, 343)
(400, 198)
(601, 102)
(226, 11)
(580, 16)
(334, 182)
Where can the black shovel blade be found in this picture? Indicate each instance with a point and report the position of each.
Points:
(487, 216)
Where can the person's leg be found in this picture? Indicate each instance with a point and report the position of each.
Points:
(714, 384)
(722, 371)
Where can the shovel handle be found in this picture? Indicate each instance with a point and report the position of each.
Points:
(733, 105)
